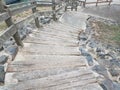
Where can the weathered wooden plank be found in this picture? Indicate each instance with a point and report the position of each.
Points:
(63, 29)
(36, 74)
(42, 62)
(21, 9)
(58, 9)
(57, 82)
(57, 31)
(16, 35)
(9, 32)
(57, 34)
(53, 42)
(34, 10)
(30, 48)
(53, 35)
(93, 86)
(4, 16)
(1, 6)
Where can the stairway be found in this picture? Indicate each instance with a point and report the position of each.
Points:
(50, 60)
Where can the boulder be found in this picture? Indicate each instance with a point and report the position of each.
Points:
(110, 85)
(87, 55)
(12, 50)
(3, 59)
(8, 43)
(101, 70)
(2, 74)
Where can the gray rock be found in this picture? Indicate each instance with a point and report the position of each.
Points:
(115, 62)
(12, 50)
(24, 31)
(8, 43)
(110, 85)
(3, 59)
(83, 52)
(87, 55)
(114, 67)
(89, 60)
(28, 30)
(101, 70)
(22, 36)
(83, 37)
(101, 55)
(112, 55)
(2, 74)
(114, 72)
(45, 20)
(92, 44)
(116, 86)
(105, 63)
(98, 50)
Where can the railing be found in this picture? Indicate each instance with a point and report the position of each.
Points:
(84, 2)
(12, 10)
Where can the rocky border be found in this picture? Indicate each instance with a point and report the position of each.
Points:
(102, 59)
(10, 49)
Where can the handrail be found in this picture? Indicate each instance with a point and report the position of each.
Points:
(13, 9)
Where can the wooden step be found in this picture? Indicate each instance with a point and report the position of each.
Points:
(93, 86)
(46, 35)
(12, 77)
(63, 28)
(52, 33)
(64, 25)
(32, 62)
(50, 40)
(57, 82)
(38, 49)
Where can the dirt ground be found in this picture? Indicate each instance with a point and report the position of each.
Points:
(108, 34)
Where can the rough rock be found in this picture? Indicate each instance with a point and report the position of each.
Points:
(8, 43)
(87, 55)
(3, 59)
(12, 50)
(101, 70)
(45, 20)
(110, 85)
(2, 74)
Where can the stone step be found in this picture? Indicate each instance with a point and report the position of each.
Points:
(38, 49)
(56, 82)
(34, 62)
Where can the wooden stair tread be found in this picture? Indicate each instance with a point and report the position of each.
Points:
(61, 81)
(50, 40)
(45, 62)
(36, 74)
(37, 49)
